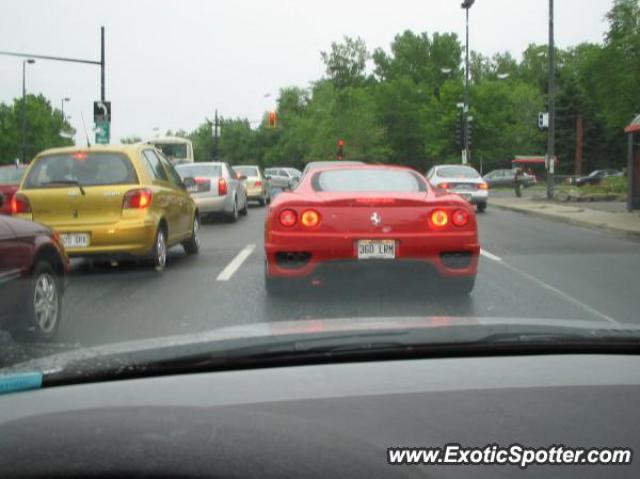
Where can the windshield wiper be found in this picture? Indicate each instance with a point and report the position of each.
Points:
(66, 182)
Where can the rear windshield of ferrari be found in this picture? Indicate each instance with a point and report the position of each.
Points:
(368, 180)
(88, 169)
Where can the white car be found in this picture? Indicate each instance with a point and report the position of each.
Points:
(258, 184)
(216, 188)
(462, 180)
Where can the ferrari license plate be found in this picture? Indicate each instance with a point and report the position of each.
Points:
(376, 249)
(75, 240)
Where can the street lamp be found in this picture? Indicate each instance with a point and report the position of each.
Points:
(466, 5)
(62, 108)
(30, 61)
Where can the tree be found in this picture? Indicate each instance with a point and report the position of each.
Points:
(346, 62)
(44, 124)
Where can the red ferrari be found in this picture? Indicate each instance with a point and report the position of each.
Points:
(353, 217)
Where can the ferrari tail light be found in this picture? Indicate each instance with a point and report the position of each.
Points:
(440, 218)
(20, 204)
(288, 218)
(310, 218)
(444, 186)
(137, 199)
(483, 186)
(257, 183)
(222, 187)
(460, 218)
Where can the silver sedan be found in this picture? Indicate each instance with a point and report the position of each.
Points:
(216, 188)
(461, 180)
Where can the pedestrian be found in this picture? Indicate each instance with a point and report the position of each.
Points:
(517, 181)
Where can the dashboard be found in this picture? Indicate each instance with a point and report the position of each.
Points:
(330, 420)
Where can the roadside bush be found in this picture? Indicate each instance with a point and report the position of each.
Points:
(610, 185)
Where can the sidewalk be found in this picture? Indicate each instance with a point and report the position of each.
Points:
(576, 214)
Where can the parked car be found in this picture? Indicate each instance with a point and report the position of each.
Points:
(257, 182)
(596, 177)
(283, 178)
(506, 178)
(10, 177)
(114, 202)
(462, 180)
(33, 276)
(217, 189)
(312, 165)
(366, 218)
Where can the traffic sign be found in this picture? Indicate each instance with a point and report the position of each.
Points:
(103, 133)
(101, 111)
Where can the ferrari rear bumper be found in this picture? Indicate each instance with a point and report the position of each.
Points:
(296, 256)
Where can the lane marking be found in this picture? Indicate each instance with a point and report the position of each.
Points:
(490, 256)
(236, 262)
(560, 293)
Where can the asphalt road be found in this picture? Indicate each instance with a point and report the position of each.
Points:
(530, 268)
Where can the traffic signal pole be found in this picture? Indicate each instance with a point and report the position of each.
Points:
(551, 140)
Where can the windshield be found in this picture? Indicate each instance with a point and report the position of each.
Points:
(374, 180)
(137, 231)
(88, 169)
(174, 151)
(199, 170)
(457, 172)
(246, 170)
(11, 175)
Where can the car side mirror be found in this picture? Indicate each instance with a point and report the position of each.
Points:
(188, 182)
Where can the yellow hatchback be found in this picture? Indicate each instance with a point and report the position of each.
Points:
(110, 202)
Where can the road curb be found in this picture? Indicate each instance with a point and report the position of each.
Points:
(568, 220)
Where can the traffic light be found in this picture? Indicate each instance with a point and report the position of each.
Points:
(272, 119)
(459, 130)
(469, 130)
(340, 153)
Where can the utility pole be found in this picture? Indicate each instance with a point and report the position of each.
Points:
(551, 145)
(466, 157)
(216, 136)
(30, 61)
(579, 145)
(102, 65)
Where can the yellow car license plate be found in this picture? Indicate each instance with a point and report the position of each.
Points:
(75, 240)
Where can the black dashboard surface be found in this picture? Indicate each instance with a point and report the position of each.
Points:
(332, 420)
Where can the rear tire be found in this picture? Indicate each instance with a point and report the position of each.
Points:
(481, 207)
(462, 286)
(192, 245)
(44, 306)
(245, 210)
(159, 251)
(233, 217)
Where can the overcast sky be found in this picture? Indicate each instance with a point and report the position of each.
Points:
(170, 63)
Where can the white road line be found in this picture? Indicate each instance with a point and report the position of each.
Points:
(560, 293)
(491, 256)
(235, 263)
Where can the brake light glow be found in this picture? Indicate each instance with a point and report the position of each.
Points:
(483, 186)
(137, 199)
(80, 155)
(444, 186)
(222, 187)
(460, 218)
(440, 218)
(257, 183)
(375, 201)
(288, 218)
(310, 218)
(19, 205)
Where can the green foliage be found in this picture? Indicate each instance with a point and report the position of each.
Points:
(405, 111)
(43, 126)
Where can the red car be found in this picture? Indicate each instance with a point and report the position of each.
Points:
(10, 178)
(33, 275)
(344, 218)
